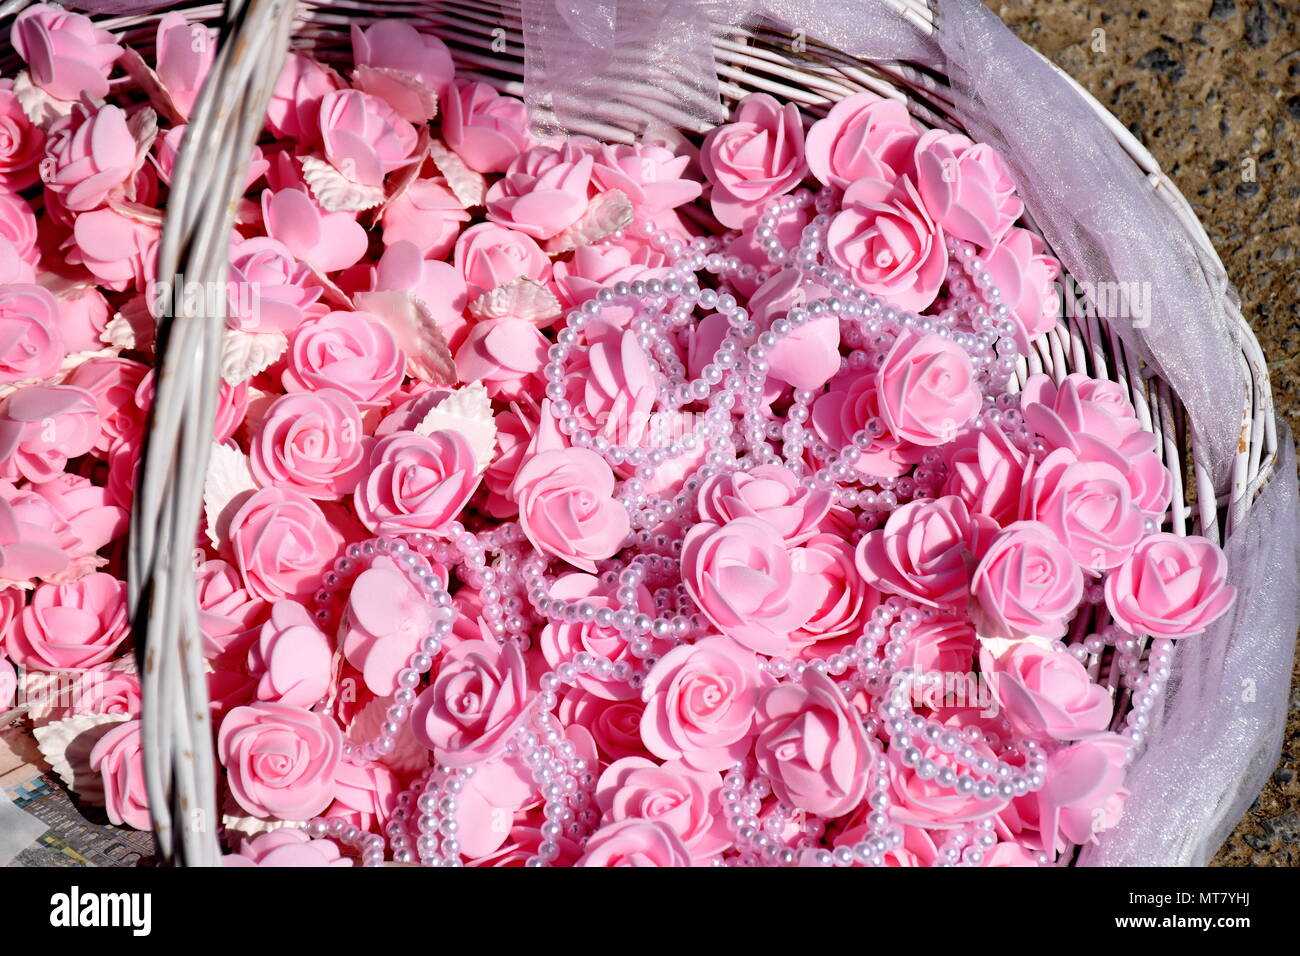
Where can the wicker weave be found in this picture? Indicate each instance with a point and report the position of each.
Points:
(487, 42)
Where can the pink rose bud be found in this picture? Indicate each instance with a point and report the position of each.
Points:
(280, 760)
(887, 243)
(70, 626)
(282, 543)
(484, 128)
(635, 842)
(90, 155)
(327, 241)
(66, 54)
(428, 214)
(757, 156)
(688, 801)
(927, 389)
(464, 731)
(771, 493)
(23, 144)
(506, 355)
(1170, 586)
(364, 138)
(543, 192)
(229, 617)
(812, 746)
(567, 506)
(353, 352)
(1046, 692)
(1085, 791)
(649, 174)
(489, 255)
(117, 758)
(286, 846)
(864, 136)
(292, 657)
(416, 482)
(312, 442)
(926, 551)
(1026, 274)
(395, 45)
(1027, 583)
(294, 109)
(18, 223)
(42, 426)
(270, 290)
(966, 187)
(31, 345)
(386, 619)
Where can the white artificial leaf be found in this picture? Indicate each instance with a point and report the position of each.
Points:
(411, 99)
(146, 79)
(66, 744)
(521, 298)
(607, 213)
(245, 353)
(334, 191)
(235, 821)
(228, 484)
(465, 184)
(41, 108)
(998, 646)
(467, 410)
(408, 318)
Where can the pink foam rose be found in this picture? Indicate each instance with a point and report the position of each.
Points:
(567, 506)
(395, 45)
(117, 758)
(311, 442)
(701, 701)
(66, 54)
(597, 265)
(286, 846)
(42, 426)
(185, 54)
(83, 316)
(437, 285)
(1170, 586)
(988, 472)
(364, 138)
(1084, 794)
(746, 582)
(31, 345)
(294, 109)
(1047, 692)
(848, 413)
(327, 241)
(38, 519)
(688, 801)
(926, 551)
(760, 154)
(87, 510)
(476, 703)
(966, 187)
(30, 547)
(415, 482)
(13, 268)
(70, 626)
(113, 382)
(1027, 583)
(1087, 505)
(1078, 406)
(927, 388)
(17, 221)
(611, 384)
(1026, 273)
(353, 352)
(270, 290)
(282, 543)
(280, 760)
(843, 599)
(426, 213)
(22, 144)
(635, 842)
(292, 658)
(486, 130)
(120, 252)
(387, 618)
(229, 617)
(808, 356)
(941, 644)
(106, 690)
(888, 244)
(812, 746)
(615, 725)
(771, 493)
(90, 155)
(543, 192)
(489, 255)
(649, 174)
(924, 802)
(490, 802)
(365, 795)
(864, 136)
(562, 641)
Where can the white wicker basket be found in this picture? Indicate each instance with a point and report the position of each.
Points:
(486, 38)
